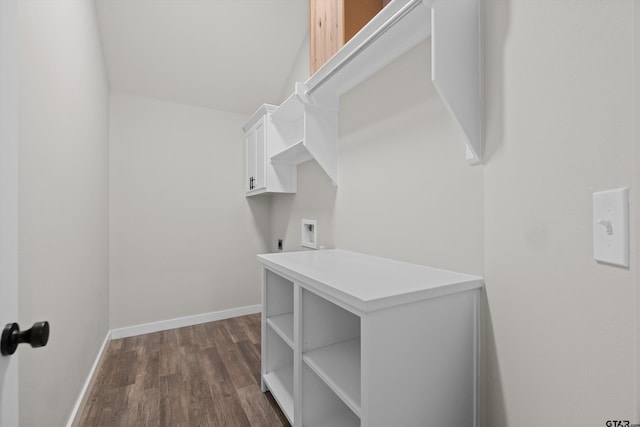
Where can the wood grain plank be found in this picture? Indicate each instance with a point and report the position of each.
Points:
(203, 338)
(212, 367)
(149, 371)
(200, 400)
(240, 374)
(125, 369)
(249, 327)
(227, 409)
(221, 336)
(357, 14)
(235, 328)
(185, 336)
(251, 356)
(203, 375)
(259, 411)
(173, 405)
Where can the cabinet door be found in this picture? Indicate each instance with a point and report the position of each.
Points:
(261, 155)
(250, 176)
(256, 157)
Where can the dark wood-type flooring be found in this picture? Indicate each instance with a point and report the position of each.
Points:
(202, 375)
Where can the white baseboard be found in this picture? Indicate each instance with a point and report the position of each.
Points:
(163, 325)
(87, 382)
(148, 328)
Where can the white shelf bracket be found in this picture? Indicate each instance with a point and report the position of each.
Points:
(454, 26)
(300, 89)
(456, 66)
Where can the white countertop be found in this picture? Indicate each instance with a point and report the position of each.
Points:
(367, 282)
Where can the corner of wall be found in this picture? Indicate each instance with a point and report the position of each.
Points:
(635, 199)
(299, 69)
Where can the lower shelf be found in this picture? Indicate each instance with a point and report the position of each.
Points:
(283, 326)
(343, 419)
(338, 365)
(280, 383)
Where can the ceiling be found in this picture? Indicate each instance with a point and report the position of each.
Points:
(231, 55)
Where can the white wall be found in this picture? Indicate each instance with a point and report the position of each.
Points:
(315, 198)
(559, 128)
(560, 329)
(9, 143)
(636, 196)
(63, 207)
(405, 190)
(183, 236)
(299, 70)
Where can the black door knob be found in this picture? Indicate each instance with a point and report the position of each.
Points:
(37, 336)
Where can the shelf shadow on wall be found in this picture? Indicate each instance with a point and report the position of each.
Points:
(495, 27)
(315, 199)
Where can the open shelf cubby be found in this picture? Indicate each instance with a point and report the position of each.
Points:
(278, 293)
(283, 326)
(331, 346)
(278, 371)
(277, 341)
(322, 408)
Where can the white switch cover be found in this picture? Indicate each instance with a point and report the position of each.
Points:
(611, 227)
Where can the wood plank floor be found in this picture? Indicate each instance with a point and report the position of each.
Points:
(202, 375)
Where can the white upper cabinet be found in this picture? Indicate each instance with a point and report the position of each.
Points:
(262, 140)
(307, 122)
(255, 149)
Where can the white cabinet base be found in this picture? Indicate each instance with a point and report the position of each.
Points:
(353, 340)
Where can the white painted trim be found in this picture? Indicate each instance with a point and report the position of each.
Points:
(87, 382)
(163, 325)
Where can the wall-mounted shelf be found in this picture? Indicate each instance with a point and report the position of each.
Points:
(291, 110)
(292, 155)
(454, 27)
(308, 131)
(308, 119)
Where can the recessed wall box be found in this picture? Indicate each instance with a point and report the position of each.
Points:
(309, 234)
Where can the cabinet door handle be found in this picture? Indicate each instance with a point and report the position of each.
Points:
(251, 183)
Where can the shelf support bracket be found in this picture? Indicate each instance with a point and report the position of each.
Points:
(456, 66)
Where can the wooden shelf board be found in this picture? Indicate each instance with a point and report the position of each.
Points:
(292, 155)
(283, 326)
(387, 36)
(280, 383)
(338, 365)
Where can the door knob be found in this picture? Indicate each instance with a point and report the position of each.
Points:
(37, 336)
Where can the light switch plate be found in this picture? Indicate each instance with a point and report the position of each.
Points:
(611, 227)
